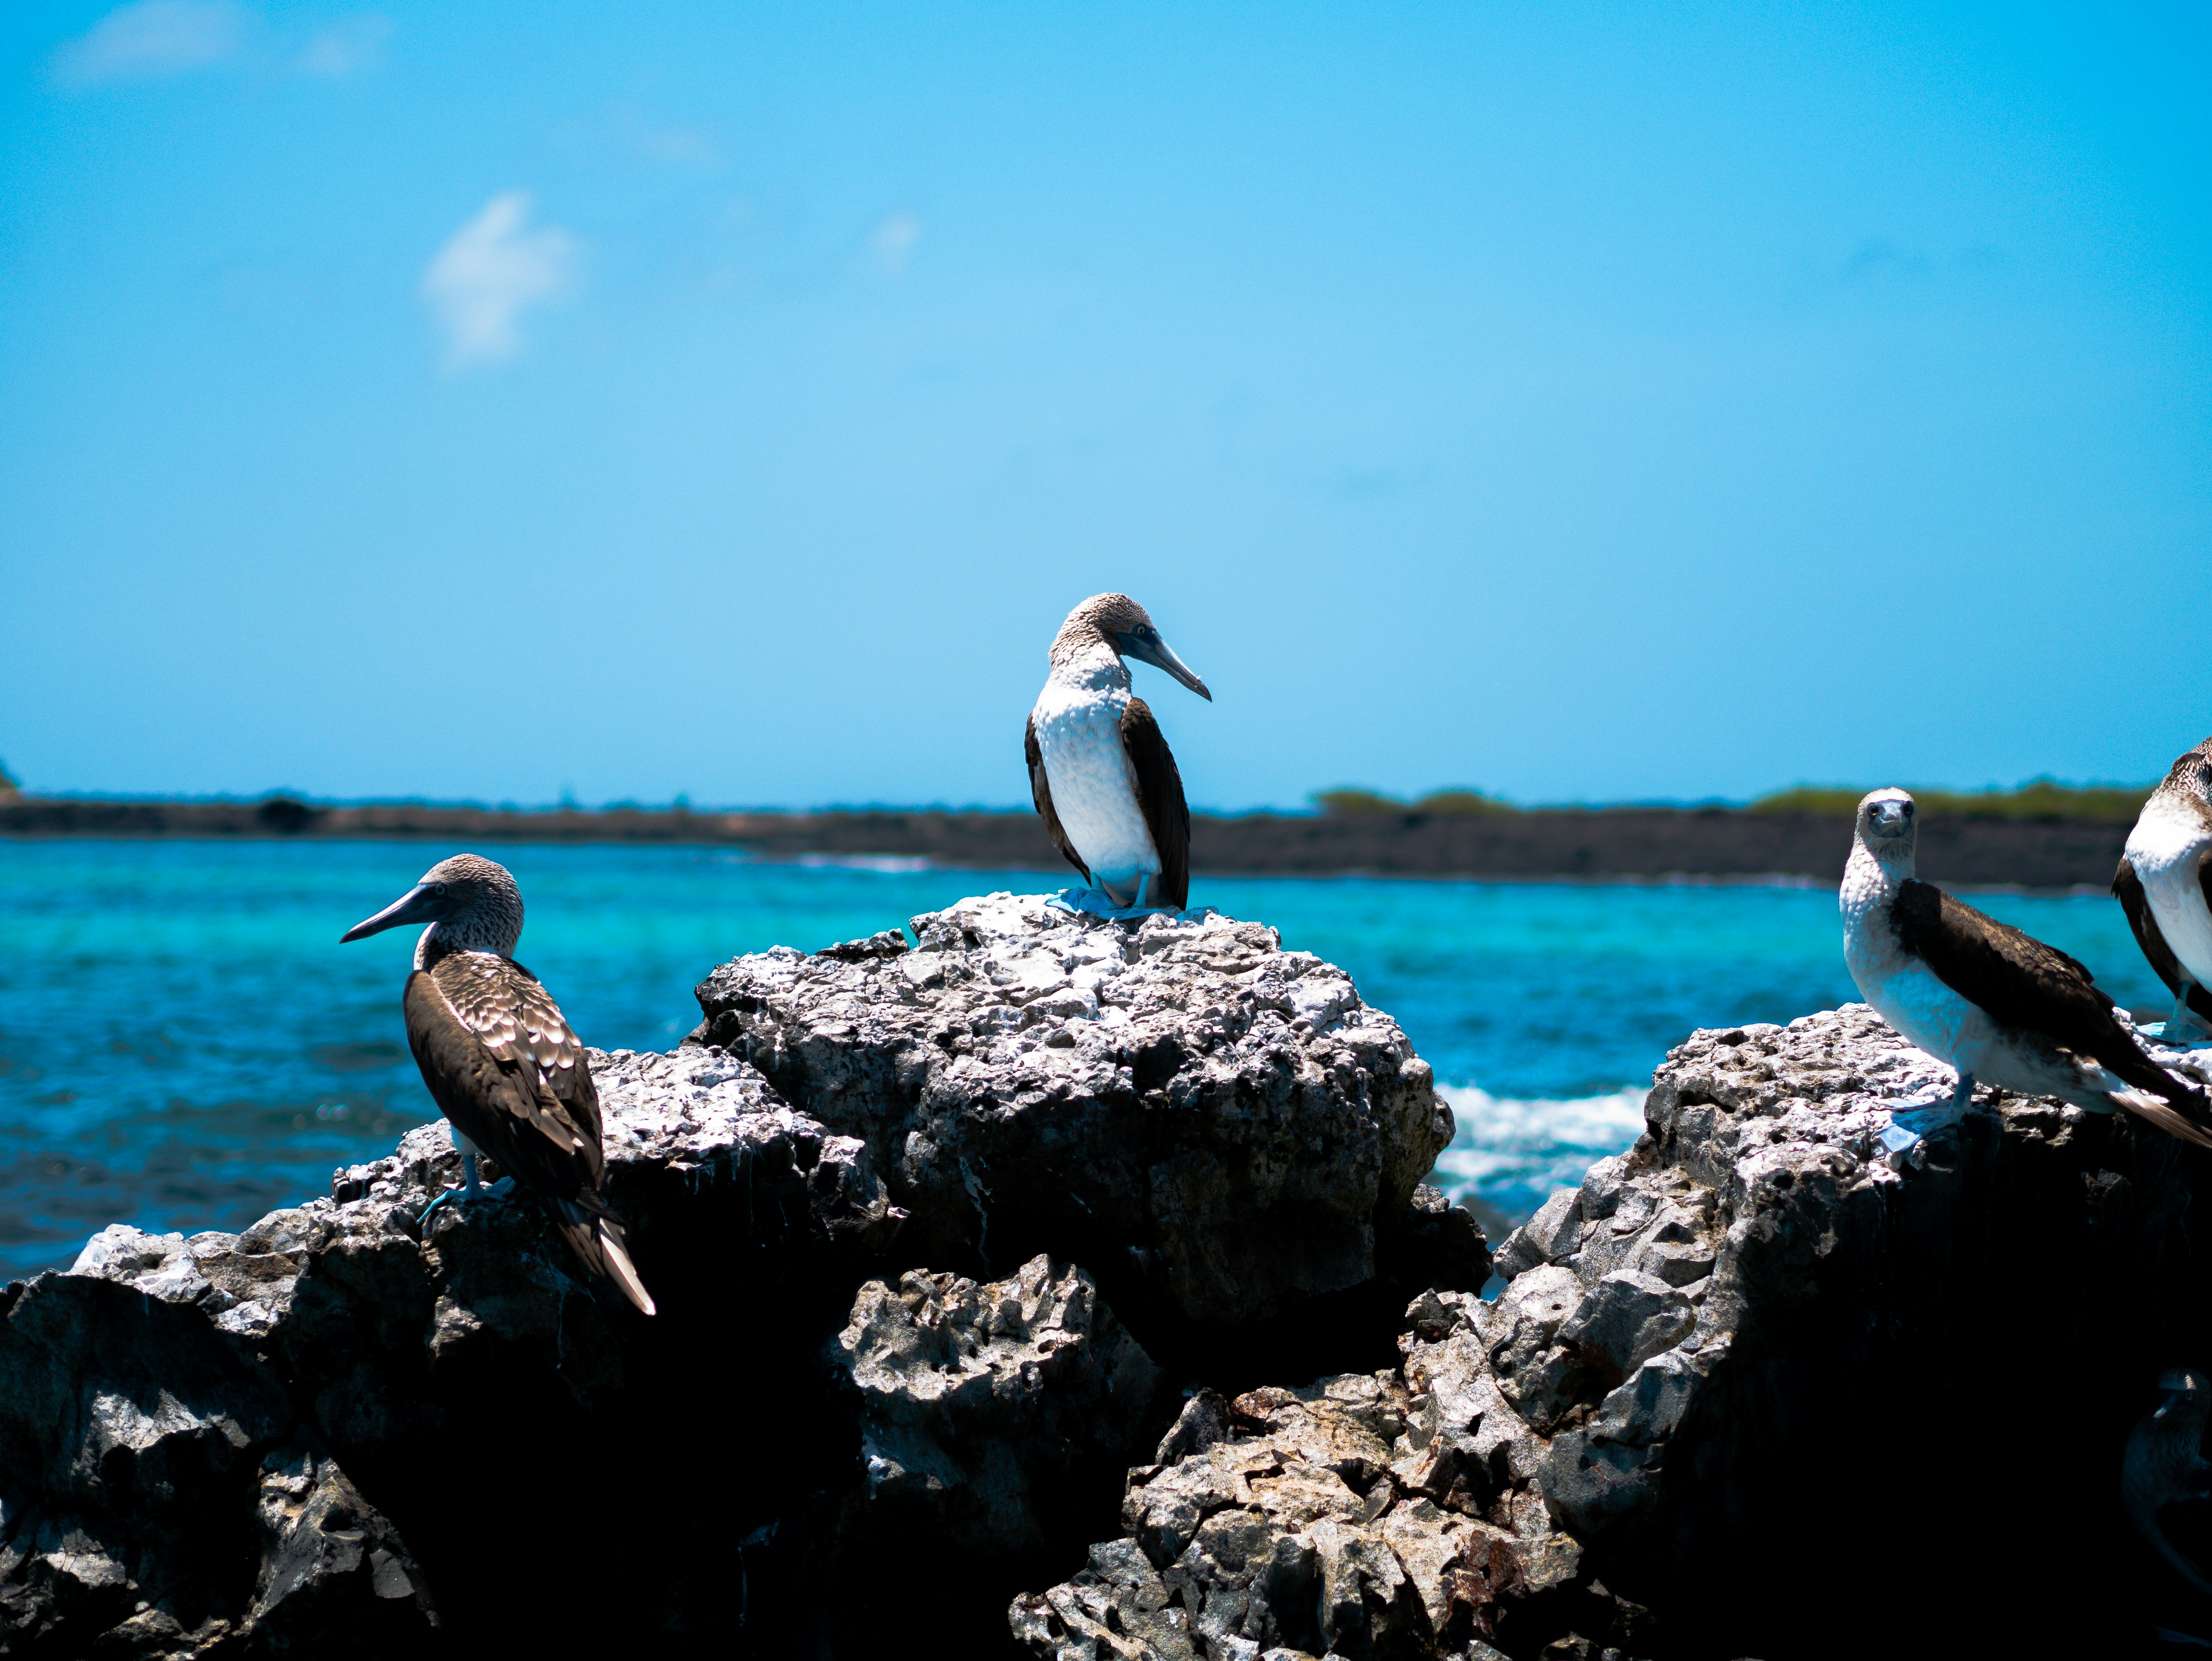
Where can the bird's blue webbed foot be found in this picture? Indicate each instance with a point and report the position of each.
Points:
(2185, 1029)
(468, 1192)
(1097, 903)
(1925, 1111)
(1141, 906)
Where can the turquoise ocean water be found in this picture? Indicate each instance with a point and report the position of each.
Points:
(184, 1044)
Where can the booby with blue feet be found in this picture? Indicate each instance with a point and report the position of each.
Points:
(2165, 885)
(1101, 773)
(1988, 1002)
(501, 1060)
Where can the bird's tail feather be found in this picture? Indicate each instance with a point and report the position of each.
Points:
(2144, 1105)
(595, 1235)
(2146, 1519)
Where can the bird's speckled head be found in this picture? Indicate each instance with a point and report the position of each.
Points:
(472, 901)
(1106, 616)
(1124, 628)
(482, 894)
(2181, 1389)
(2191, 774)
(1887, 824)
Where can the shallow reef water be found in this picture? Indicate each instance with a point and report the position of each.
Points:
(184, 1044)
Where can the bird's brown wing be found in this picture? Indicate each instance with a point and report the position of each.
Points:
(2129, 889)
(1040, 793)
(503, 1063)
(505, 1066)
(1159, 798)
(2025, 984)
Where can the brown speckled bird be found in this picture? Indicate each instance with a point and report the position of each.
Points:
(501, 1061)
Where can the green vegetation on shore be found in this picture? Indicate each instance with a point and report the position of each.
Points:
(2041, 799)
(2038, 799)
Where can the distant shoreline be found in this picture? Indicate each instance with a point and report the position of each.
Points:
(1595, 844)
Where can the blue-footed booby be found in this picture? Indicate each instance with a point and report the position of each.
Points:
(2165, 883)
(2164, 1462)
(501, 1060)
(1984, 998)
(1100, 773)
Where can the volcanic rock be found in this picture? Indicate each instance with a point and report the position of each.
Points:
(1733, 1373)
(977, 1401)
(188, 1428)
(1220, 1130)
(340, 1427)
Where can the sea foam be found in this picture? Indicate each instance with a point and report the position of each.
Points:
(1512, 1153)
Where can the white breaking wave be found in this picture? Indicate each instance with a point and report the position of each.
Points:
(1514, 1153)
(895, 864)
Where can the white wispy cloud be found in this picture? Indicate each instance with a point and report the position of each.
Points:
(151, 38)
(488, 271)
(893, 241)
(345, 48)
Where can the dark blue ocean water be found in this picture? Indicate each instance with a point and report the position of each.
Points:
(184, 1044)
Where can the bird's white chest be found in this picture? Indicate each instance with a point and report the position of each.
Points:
(1931, 1016)
(1094, 792)
(1902, 988)
(2164, 848)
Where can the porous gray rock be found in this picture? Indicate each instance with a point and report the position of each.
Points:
(1720, 1364)
(1333, 1519)
(1222, 1124)
(174, 1411)
(161, 1495)
(974, 1399)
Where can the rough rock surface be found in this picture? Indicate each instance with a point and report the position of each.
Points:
(340, 1431)
(1218, 1130)
(1384, 1514)
(1742, 1368)
(978, 1401)
(187, 1426)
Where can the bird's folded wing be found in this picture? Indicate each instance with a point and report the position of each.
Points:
(2018, 979)
(2128, 889)
(1040, 793)
(1159, 798)
(507, 1069)
(2023, 983)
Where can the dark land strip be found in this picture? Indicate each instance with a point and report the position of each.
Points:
(1596, 844)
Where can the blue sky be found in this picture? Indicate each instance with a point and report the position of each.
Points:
(1581, 403)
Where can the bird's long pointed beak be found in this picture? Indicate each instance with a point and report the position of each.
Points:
(1162, 656)
(417, 904)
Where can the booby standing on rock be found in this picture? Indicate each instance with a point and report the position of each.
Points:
(2165, 883)
(501, 1060)
(2164, 1462)
(1100, 772)
(1984, 998)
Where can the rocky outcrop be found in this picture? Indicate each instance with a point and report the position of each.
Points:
(1220, 1130)
(941, 1238)
(1395, 1513)
(188, 1426)
(1773, 1343)
(980, 1404)
(340, 1430)
(162, 1496)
